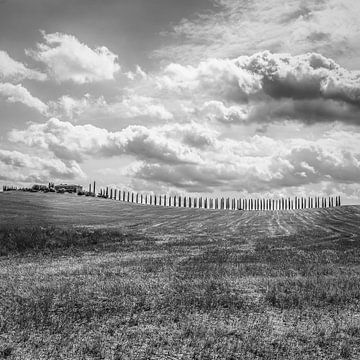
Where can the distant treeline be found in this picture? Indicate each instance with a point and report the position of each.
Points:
(221, 203)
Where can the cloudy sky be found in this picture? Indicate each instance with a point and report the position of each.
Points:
(194, 96)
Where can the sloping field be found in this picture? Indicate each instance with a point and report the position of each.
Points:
(87, 278)
(31, 209)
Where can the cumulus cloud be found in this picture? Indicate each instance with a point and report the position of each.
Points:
(68, 141)
(198, 159)
(276, 75)
(11, 69)
(267, 87)
(17, 93)
(220, 78)
(67, 59)
(20, 167)
(304, 76)
(291, 164)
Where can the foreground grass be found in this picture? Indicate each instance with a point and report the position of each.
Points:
(107, 294)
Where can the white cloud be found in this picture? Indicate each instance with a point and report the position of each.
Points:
(11, 69)
(67, 59)
(68, 141)
(195, 158)
(20, 167)
(249, 167)
(265, 87)
(277, 75)
(220, 78)
(17, 93)
(73, 108)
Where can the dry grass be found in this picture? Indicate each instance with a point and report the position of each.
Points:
(53, 240)
(239, 286)
(101, 294)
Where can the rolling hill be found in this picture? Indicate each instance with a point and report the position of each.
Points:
(89, 278)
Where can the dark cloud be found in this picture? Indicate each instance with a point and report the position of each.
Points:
(306, 76)
(308, 111)
(290, 87)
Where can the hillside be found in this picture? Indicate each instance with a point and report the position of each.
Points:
(29, 209)
(86, 278)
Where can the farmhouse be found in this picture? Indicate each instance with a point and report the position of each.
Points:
(69, 188)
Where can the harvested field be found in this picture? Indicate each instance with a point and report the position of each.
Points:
(87, 278)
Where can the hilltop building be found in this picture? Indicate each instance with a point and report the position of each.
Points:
(68, 188)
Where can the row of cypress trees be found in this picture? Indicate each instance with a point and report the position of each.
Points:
(221, 203)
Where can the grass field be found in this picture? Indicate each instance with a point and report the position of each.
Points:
(87, 278)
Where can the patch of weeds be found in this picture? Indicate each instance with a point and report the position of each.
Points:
(315, 291)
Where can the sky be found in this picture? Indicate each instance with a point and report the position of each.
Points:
(201, 97)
